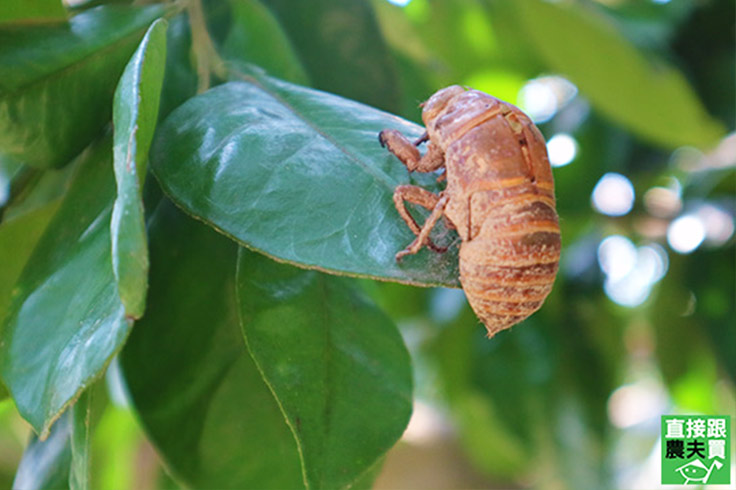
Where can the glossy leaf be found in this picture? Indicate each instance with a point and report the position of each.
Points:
(652, 100)
(65, 321)
(57, 81)
(135, 111)
(341, 47)
(335, 363)
(256, 37)
(31, 11)
(196, 390)
(297, 174)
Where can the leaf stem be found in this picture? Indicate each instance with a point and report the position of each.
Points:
(207, 59)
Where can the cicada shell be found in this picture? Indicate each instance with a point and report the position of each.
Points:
(499, 196)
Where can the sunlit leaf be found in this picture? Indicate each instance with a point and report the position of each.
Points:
(297, 174)
(650, 98)
(335, 363)
(31, 11)
(135, 111)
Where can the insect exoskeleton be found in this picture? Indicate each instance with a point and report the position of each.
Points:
(499, 196)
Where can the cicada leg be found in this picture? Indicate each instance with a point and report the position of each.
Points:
(407, 152)
(424, 198)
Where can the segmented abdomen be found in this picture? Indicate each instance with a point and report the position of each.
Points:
(507, 269)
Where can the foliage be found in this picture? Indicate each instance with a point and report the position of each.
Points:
(228, 289)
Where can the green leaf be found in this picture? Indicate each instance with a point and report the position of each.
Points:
(336, 364)
(32, 188)
(57, 81)
(31, 10)
(45, 464)
(652, 100)
(135, 111)
(199, 396)
(297, 174)
(65, 320)
(340, 44)
(18, 236)
(256, 37)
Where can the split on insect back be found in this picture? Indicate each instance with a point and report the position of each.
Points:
(499, 196)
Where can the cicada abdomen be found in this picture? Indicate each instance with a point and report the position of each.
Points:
(508, 268)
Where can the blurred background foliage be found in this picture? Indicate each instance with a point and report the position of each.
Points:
(636, 100)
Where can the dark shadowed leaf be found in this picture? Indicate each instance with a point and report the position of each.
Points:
(651, 99)
(297, 174)
(256, 37)
(57, 81)
(65, 320)
(135, 111)
(196, 389)
(341, 47)
(180, 78)
(336, 364)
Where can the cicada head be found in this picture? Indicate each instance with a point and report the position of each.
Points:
(434, 106)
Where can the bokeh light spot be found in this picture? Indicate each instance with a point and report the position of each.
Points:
(562, 149)
(4, 189)
(635, 403)
(718, 224)
(616, 256)
(685, 234)
(630, 271)
(542, 97)
(662, 202)
(613, 195)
